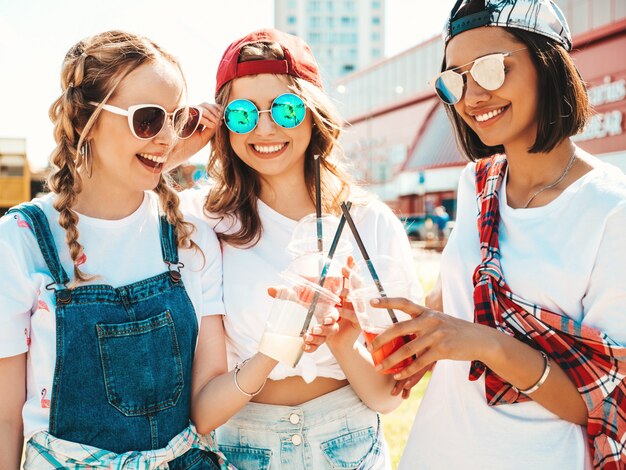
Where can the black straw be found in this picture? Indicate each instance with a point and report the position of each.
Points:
(368, 261)
(324, 271)
(318, 202)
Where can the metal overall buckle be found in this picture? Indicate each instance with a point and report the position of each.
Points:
(175, 275)
(63, 296)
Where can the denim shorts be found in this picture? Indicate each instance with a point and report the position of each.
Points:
(334, 431)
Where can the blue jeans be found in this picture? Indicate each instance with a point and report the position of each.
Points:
(334, 431)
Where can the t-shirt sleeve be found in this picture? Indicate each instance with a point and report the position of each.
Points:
(604, 303)
(17, 292)
(191, 201)
(212, 286)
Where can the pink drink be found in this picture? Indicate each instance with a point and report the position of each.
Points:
(380, 354)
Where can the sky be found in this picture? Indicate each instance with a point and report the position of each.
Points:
(36, 34)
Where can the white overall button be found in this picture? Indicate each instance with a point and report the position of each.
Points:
(296, 439)
(294, 418)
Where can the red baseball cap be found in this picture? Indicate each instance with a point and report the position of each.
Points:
(298, 61)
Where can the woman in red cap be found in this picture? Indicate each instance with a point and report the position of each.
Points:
(530, 353)
(323, 412)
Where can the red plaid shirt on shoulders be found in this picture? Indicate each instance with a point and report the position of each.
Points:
(594, 362)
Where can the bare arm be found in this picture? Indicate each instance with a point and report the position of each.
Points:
(440, 336)
(215, 398)
(372, 387)
(13, 393)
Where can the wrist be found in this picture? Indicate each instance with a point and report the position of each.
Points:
(490, 349)
(264, 361)
(344, 338)
(342, 342)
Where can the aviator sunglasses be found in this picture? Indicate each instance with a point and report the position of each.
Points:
(147, 120)
(242, 116)
(487, 71)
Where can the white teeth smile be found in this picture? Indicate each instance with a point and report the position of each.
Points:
(268, 148)
(153, 158)
(489, 115)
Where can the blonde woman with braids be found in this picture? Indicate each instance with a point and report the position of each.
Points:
(105, 293)
(322, 413)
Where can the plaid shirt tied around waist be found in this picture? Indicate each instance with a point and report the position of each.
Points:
(44, 451)
(594, 362)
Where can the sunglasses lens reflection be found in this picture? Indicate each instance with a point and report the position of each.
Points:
(186, 121)
(288, 110)
(449, 87)
(241, 116)
(148, 121)
(489, 73)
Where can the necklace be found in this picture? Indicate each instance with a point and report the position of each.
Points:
(555, 182)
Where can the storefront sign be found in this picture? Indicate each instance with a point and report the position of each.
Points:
(609, 123)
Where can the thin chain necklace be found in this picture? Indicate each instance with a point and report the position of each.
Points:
(555, 182)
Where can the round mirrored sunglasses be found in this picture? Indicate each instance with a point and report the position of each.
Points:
(487, 71)
(147, 120)
(242, 116)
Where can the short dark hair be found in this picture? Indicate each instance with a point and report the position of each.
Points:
(563, 104)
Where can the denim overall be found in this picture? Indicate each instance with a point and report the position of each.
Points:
(122, 378)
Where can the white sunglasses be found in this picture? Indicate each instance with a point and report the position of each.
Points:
(146, 121)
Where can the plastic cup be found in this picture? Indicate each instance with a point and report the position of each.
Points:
(396, 283)
(304, 237)
(310, 266)
(281, 339)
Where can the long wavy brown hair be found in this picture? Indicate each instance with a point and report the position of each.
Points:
(92, 70)
(236, 187)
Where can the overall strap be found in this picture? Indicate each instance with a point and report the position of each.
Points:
(41, 229)
(169, 248)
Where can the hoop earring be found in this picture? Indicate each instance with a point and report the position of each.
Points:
(87, 161)
(571, 109)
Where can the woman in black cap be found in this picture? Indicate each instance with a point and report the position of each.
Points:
(530, 352)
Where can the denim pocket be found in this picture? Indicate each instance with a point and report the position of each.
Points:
(195, 459)
(245, 458)
(349, 450)
(141, 363)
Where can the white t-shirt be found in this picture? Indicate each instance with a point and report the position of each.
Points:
(120, 252)
(567, 256)
(248, 272)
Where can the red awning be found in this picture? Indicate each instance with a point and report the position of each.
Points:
(398, 126)
(435, 146)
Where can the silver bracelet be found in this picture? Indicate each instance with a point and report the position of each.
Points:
(238, 367)
(542, 379)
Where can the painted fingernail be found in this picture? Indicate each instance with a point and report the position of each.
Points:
(328, 321)
(308, 338)
(317, 330)
(375, 301)
(307, 347)
(397, 376)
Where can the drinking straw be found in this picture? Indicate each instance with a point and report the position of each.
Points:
(324, 271)
(368, 261)
(318, 202)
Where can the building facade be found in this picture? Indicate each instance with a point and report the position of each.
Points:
(15, 177)
(399, 139)
(345, 35)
